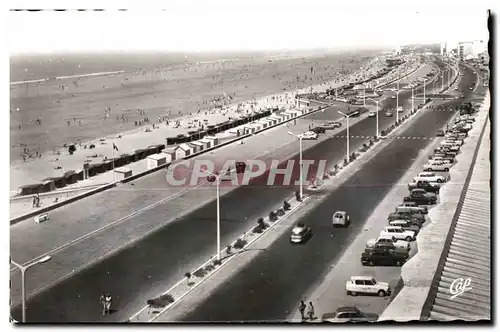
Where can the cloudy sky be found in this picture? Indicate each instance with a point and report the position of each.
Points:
(255, 25)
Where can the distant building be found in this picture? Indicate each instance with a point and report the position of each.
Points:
(444, 49)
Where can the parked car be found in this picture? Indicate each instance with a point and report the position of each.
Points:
(341, 218)
(331, 125)
(398, 232)
(309, 135)
(400, 109)
(399, 244)
(300, 233)
(388, 114)
(437, 165)
(421, 197)
(372, 114)
(366, 285)
(412, 208)
(429, 176)
(444, 157)
(417, 217)
(387, 258)
(346, 314)
(319, 130)
(440, 133)
(409, 225)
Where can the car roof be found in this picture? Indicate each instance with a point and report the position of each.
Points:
(362, 277)
(347, 308)
(341, 212)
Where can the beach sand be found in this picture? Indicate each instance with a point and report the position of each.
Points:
(171, 92)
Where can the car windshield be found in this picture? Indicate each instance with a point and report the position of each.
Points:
(373, 281)
(338, 215)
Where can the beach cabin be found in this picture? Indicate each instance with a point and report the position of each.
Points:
(214, 141)
(257, 126)
(47, 185)
(194, 148)
(299, 103)
(30, 189)
(156, 160)
(248, 129)
(121, 173)
(264, 123)
(207, 144)
(71, 177)
(284, 116)
(277, 119)
(199, 146)
(169, 154)
(182, 151)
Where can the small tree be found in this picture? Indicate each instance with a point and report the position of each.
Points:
(286, 205)
(188, 277)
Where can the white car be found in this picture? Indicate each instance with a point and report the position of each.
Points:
(309, 135)
(388, 239)
(437, 165)
(393, 97)
(366, 285)
(341, 218)
(372, 114)
(300, 233)
(398, 232)
(430, 177)
(400, 109)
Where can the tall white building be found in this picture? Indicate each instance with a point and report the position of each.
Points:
(444, 49)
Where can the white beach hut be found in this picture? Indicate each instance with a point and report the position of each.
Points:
(156, 160)
(182, 151)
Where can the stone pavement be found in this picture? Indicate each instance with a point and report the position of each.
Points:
(417, 274)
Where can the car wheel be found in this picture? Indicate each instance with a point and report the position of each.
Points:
(381, 293)
(398, 263)
(439, 181)
(429, 169)
(408, 239)
(446, 169)
(354, 294)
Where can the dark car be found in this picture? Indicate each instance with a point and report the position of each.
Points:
(440, 133)
(319, 130)
(424, 185)
(346, 314)
(384, 258)
(421, 197)
(240, 167)
(300, 233)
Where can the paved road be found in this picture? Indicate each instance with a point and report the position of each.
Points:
(273, 284)
(164, 254)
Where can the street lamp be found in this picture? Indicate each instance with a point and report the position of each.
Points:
(397, 102)
(376, 101)
(217, 179)
(300, 161)
(347, 125)
(425, 80)
(412, 100)
(23, 279)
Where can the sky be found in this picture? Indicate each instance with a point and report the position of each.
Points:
(256, 25)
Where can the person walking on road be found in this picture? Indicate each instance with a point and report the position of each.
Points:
(107, 304)
(310, 311)
(102, 302)
(302, 309)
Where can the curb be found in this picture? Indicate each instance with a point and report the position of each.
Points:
(139, 175)
(218, 267)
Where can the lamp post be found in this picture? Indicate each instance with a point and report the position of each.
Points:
(425, 80)
(376, 130)
(364, 95)
(442, 81)
(397, 102)
(412, 100)
(347, 125)
(299, 137)
(23, 269)
(217, 179)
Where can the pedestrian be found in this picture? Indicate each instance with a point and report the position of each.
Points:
(302, 309)
(107, 301)
(310, 311)
(34, 201)
(102, 302)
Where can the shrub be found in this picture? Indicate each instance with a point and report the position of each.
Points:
(188, 275)
(209, 268)
(240, 243)
(228, 249)
(161, 301)
(280, 212)
(286, 205)
(257, 229)
(216, 262)
(365, 147)
(200, 273)
(71, 149)
(297, 196)
(371, 143)
(345, 162)
(262, 224)
(336, 166)
(273, 216)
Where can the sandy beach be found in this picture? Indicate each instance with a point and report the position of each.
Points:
(82, 109)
